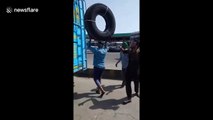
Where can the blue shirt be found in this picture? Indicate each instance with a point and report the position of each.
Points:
(124, 59)
(99, 56)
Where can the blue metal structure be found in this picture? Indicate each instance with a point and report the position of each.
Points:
(79, 37)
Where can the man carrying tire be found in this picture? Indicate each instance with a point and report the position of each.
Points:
(96, 34)
(99, 63)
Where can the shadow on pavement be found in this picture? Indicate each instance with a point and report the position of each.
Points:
(83, 95)
(109, 89)
(110, 104)
(107, 74)
(93, 94)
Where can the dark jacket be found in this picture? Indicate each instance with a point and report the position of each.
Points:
(133, 65)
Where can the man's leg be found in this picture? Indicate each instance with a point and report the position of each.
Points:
(99, 73)
(128, 90)
(136, 82)
(102, 90)
(123, 76)
(96, 79)
(95, 76)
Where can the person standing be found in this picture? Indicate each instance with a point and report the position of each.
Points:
(99, 63)
(132, 70)
(124, 61)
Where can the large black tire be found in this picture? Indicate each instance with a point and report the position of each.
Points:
(90, 25)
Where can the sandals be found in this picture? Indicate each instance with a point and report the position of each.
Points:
(102, 94)
(98, 91)
(127, 101)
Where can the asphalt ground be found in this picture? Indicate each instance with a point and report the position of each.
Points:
(89, 106)
(87, 103)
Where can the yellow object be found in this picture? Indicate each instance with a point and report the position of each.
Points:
(75, 67)
(76, 13)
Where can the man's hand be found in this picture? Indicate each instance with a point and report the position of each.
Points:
(116, 65)
(138, 50)
(105, 44)
(89, 43)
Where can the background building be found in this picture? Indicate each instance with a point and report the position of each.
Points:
(116, 41)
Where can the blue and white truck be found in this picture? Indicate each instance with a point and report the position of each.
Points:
(79, 38)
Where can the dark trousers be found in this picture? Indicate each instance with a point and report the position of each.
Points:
(124, 76)
(130, 78)
(97, 75)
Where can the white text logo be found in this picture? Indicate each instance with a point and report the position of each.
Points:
(18, 10)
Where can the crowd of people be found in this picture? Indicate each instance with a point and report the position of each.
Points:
(129, 58)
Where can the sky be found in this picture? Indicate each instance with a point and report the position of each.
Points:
(126, 14)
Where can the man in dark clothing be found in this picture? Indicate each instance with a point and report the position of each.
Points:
(132, 70)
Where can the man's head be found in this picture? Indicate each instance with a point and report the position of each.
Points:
(134, 44)
(125, 45)
(100, 44)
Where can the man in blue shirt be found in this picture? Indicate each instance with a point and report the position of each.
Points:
(99, 63)
(124, 61)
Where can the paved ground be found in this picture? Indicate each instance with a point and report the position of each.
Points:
(88, 105)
